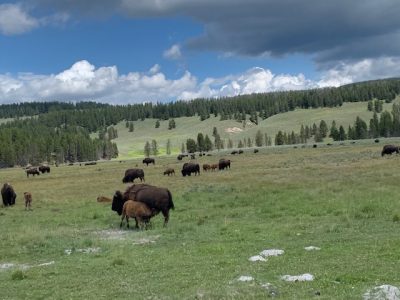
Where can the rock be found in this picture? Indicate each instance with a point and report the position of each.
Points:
(271, 252)
(257, 258)
(383, 292)
(295, 278)
(245, 278)
(311, 248)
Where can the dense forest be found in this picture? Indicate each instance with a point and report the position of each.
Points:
(60, 132)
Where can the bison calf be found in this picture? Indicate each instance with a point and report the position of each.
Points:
(28, 200)
(169, 171)
(103, 199)
(138, 210)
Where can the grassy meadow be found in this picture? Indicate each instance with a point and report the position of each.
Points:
(343, 199)
(131, 144)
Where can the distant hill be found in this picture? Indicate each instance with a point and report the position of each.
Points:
(68, 132)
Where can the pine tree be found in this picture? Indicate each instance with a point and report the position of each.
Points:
(370, 105)
(154, 147)
(183, 148)
(323, 129)
(168, 150)
(131, 127)
(191, 145)
(279, 138)
(147, 149)
(157, 124)
(259, 139)
(171, 124)
(200, 142)
(385, 124)
(240, 144)
(334, 132)
(207, 144)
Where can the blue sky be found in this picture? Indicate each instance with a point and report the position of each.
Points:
(130, 51)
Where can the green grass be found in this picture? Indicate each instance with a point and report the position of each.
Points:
(343, 199)
(131, 144)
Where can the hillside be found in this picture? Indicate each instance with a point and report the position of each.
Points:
(131, 144)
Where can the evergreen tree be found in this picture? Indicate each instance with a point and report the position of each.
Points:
(230, 144)
(334, 132)
(171, 124)
(157, 124)
(154, 147)
(360, 129)
(200, 142)
(323, 129)
(240, 144)
(147, 149)
(208, 146)
(279, 138)
(249, 143)
(259, 139)
(385, 124)
(303, 138)
(131, 127)
(370, 105)
(374, 126)
(191, 145)
(183, 148)
(168, 150)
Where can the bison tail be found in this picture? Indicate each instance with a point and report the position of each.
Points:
(171, 204)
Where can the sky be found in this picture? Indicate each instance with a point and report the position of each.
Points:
(135, 51)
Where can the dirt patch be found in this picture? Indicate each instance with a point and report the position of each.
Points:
(144, 241)
(112, 234)
(233, 130)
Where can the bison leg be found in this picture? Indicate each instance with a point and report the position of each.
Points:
(166, 216)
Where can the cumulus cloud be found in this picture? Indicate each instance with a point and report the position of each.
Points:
(83, 81)
(173, 53)
(14, 20)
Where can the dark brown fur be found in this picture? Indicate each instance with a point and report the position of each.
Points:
(138, 210)
(8, 195)
(389, 149)
(224, 164)
(32, 171)
(132, 174)
(169, 171)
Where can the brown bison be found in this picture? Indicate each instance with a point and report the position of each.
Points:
(224, 164)
(32, 171)
(234, 152)
(389, 149)
(103, 199)
(8, 195)
(214, 167)
(44, 169)
(138, 210)
(189, 168)
(255, 151)
(206, 167)
(148, 161)
(156, 198)
(240, 152)
(28, 200)
(169, 171)
(132, 174)
(181, 156)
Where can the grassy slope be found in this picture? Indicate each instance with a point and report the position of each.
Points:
(131, 145)
(341, 198)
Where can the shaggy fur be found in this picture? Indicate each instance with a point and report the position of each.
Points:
(32, 171)
(389, 149)
(138, 210)
(148, 161)
(8, 195)
(132, 174)
(169, 171)
(224, 164)
(189, 168)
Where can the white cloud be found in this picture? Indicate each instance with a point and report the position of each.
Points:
(83, 81)
(173, 53)
(14, 20)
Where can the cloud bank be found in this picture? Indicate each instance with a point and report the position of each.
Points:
(83, 81)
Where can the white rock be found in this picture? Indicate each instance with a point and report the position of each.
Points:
(6, 266)
(383, 292)
(68, 251)
(311, 248)
(46, 264)
(257, 258)
(303, 277)
(271, 252)
(245, 278)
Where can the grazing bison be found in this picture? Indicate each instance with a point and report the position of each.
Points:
(193, 156)
(32, 171)
(376, 140)
(234, 152)
(103, 199)
(148, 161)
(28, 200)
(224, 164)
(169, 171)
(132, 174)
(156, 198)
(214, 167)
(138, 210)
(389, 149)
(44, 169)
(255, 151)
(92, 163)
(240, 151)
(8, 195)
(180, 156)
(206, 167)
(189, 168)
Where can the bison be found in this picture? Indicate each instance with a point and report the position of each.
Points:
(8, 195)
(189, 168)
(132, 174)
(92, 163)
(28, 200)
(240, 152)
(32, 171)
(234, 152)
(156, 198)
(44, 169)
(181, 156)
(214, 167)
(255, 151)
(224, 164)
(389, 149)
(148, 161)
(206, 167)
(169, 171)
(138, 210)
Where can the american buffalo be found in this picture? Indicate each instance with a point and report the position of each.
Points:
(180, 156)
(169, 171)
(92, 163)
(8, 195)
(255, 151)
(389, 149)
(44, 169)
(28, 200)
(138, 210)
(156, 198)
(132, 174)
(214, 167)
(148, 161)
(224, 164)
(206, 167)
(32, 171)
(193, 156)
(240, 151)
(189, 168)
(234, 152)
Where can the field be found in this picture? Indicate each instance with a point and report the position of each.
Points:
(131, 144)
(342, 199)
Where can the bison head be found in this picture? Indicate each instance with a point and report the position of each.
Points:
(118, 202)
